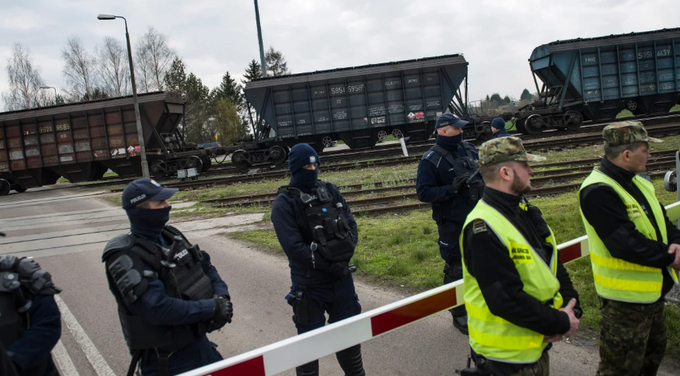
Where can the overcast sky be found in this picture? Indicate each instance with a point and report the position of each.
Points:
(215, 36)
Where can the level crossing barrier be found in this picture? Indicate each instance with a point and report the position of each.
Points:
(304, 348)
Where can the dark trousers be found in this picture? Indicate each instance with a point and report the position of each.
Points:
(494, 368)
(632, 338)
(198, 354)
(339, 301)
(449, 248)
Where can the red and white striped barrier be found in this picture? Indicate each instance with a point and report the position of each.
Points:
(304, 348)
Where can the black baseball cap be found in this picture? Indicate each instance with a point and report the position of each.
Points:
(145, 189)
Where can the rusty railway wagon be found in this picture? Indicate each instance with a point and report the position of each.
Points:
(81, 141)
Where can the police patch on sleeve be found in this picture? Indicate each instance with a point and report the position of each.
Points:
(479, 226)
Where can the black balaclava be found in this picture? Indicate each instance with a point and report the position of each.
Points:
(449, 143)
(301, 155)
(148, 223)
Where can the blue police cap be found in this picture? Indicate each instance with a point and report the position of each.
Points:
(145, 189)
(449, 119)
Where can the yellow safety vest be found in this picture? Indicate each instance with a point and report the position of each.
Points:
(618, 279)
(492, 336)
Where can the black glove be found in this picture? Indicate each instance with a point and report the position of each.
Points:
(224, 310)
(339, 270)
(459, 182)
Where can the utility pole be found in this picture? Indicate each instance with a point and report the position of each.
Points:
(259, 38)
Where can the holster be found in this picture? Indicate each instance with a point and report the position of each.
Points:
(301, 305)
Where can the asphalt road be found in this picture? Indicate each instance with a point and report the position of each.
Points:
(65, 230)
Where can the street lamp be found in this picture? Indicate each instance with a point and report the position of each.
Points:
(140, 134)
(259, 39)
(55, 91)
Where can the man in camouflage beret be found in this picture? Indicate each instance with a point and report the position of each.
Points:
(518, 296)
(634, 253)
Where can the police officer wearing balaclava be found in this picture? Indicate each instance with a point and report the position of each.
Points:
(169, 295)
(30, 322)
(448, 178)
(318, 234)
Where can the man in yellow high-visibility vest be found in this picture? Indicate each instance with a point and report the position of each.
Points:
(634, 253)
(518, 296)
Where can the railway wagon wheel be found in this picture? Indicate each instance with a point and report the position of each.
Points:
(5, 187)
(207, 163)
(327, 141)
(277, 154)
(534, 124)
(158, 169)
(632, 105)
(573, 120)
(240, 160)
(397, 133)
(382, 135)
(194, 162)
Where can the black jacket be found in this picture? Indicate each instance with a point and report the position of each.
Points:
(290, 225)
(433, 185)
(603, 209)
(487, 259)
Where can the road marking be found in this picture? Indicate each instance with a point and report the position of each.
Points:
(93, 355)
(64, 362)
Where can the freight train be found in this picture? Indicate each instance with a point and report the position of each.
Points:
(81, 141)
(581, 80)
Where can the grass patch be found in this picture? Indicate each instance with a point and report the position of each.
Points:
(401, 250)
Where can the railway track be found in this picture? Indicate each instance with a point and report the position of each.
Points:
(392, 155)
(405, 190)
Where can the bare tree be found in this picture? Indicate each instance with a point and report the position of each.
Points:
(276, 62)
(24, 82)
(153, 58)
(80, 69)
(113, 67)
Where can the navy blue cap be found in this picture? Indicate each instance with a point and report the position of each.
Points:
(145, 189)
(449, 119)
(301, 155)
(498, 123)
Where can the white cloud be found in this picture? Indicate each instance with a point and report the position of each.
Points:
(215, 36)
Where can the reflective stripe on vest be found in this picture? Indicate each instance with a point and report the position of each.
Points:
(492, 336)
(617, 279)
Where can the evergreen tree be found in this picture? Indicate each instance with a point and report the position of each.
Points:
(253, 72)
(176, 77)
(231, 90)
(526, 95)
(198, 110)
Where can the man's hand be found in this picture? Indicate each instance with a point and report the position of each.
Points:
(339, 270)
(224, 311)
(675, 249)
(555, 338)
(573, 321)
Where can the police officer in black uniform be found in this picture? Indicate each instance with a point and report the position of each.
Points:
(448, 178)
(30, 322)
(318, 234)
(169, 295)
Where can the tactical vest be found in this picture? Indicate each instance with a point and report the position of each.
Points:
(617, 279)
(326, 221)
(468, 180)
(21, 279)
(178, 267)
(492, 336)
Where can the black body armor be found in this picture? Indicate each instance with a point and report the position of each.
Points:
(467, 182)
(21, 279)
(326, 221)
(178, 267)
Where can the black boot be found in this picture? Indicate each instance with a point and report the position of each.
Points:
(350, 361)
(309, 369)
(460, 323)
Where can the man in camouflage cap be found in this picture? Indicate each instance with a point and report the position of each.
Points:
(634, 253)
(518, 295)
